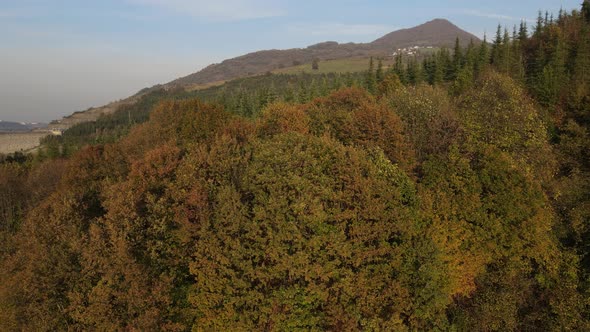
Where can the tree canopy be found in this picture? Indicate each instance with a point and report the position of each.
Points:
(451, 194)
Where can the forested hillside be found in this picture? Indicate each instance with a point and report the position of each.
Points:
(451, 194)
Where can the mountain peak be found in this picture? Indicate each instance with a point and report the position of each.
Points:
(439, 21)
(437, 32)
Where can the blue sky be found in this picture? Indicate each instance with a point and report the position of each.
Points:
(61, 56)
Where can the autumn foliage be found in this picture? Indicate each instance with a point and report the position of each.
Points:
(416, 208)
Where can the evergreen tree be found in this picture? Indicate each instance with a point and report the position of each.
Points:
(483, 57)
(517, 69)
(505, 53)
(379, 72)
(398, 68)
(536, 67)
(414, 73)
(315, 64)
(586, 10)
(523, 33)
(428, 70)
(560, 16)
(314, 89)
(579, 92)
(497, 52)
(555, 77)
(539, 26)
(457, 58)
(470, 57)
(438, 71)
(445, 62)
(370, 81)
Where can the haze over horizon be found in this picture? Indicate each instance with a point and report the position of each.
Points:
(64, 56)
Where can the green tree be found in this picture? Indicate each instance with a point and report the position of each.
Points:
(315, 64)
(458, 59)
(586, 10)
(483, 57)
(497, 112)
(379, 72)
(370, 77)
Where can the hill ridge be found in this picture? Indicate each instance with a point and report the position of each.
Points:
(437, 32)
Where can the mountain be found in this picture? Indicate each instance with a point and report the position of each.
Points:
(8, 126)
(435, 33)
(438, 32)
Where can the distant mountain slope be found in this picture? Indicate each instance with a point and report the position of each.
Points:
(93, 113)
(12, 126)
(438, 32)
(8, 126)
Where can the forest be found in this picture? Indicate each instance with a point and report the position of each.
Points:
(451, 194)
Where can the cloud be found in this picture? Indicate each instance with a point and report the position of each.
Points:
(477, 13)
(340, 29)
(218, 10)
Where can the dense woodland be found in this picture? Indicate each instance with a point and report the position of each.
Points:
(452, 194)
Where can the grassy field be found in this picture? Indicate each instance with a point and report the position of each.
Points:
(195, 87)
(350, 65)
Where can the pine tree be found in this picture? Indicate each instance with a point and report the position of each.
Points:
(560, 16)
(457, 59)
(399, 70)
(535, 67)
(272, 94)
(446, 63)
(470, 55)
(579, 92)
(337, 82)
(370, 81)
(586, 10)
(581, 70)
(314, 89)
(558, 66)
(523, 33)
(483, 57)
(379, 73)
(497, 48)
(438, 71)
(539, 26)
(415, 76)
(517, 69)
(505, 53)
(315, 64)
(303, 93)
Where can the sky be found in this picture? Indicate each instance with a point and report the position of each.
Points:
(62, 56)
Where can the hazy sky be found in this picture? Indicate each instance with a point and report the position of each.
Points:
(62, 56)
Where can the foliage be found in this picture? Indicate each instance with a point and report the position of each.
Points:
(451, 194)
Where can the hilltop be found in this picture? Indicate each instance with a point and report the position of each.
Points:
(438, 32)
